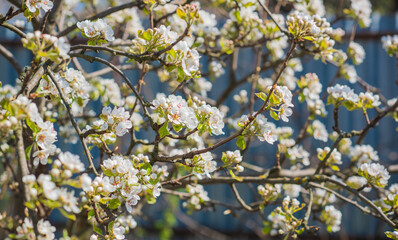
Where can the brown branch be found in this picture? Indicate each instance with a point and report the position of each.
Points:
(10, 57)
(373, 123)
(105, 13)
(73, 121)
(241, 201)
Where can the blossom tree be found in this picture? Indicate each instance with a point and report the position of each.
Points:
(101, 166)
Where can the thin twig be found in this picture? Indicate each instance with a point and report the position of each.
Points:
(73, 121)
(105, 13)
(10, 57)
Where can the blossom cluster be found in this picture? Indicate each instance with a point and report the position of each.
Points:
(32, 7)
(318, 130)
(35, 5)
(356, 52)
(363, 154)
(260, 127)
(334, 158)
(390, 44)
(176, 110)
(361, 10)
(302, 26)
(197, 197)
(73, 86)
(97, 32)
(182, 57)
(282, 221)
(112, 121)
(269, 192)
(202, 164)
(332, 218)
(44, 134)
(44, 228)
(45, 46)
(123, 179)
(375, 174)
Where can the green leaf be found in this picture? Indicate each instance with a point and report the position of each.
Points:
(240, 142)
(91, 42)
(150, 199)
(261, 95)
(300, 231)
(12, 235)
(30, 205)
(164, 131)
(97, 230)
(114, 203)
(51, 203)
(147, 36)
(180, 74)
(28, 150)
(240, 179)
(107, 172)
(90, 214)
(181, 14)
(238, 17)
(267, 228)
(32, 126)
(70, 216)
(172, 53)
(202, 129)
(177, 128)
(335, 168)
(274, 115)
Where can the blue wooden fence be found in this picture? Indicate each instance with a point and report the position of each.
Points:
(378, 69)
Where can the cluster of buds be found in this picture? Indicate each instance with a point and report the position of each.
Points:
(115, 121)
(231, 162)
(357, 182)
(390, 44)
(125, 180)
(356, 52)
(259, 127)
(389, 200)
(334, 158)
(32, 7)
(348, 72)
(361, 11)
(202, 164)
(311, 87)
(342, 94)
(45, 46)
(180, 59)
(298, 155)
(46, 190)
(280, 102)
(198, 196)
(374, 173)
(332, 218)
(73, 85)
(302, 26)
(188, 13)
(97, 32)
(269, 192)
(318, 130)
(363, 154)
(26, 231)
(282, 221)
